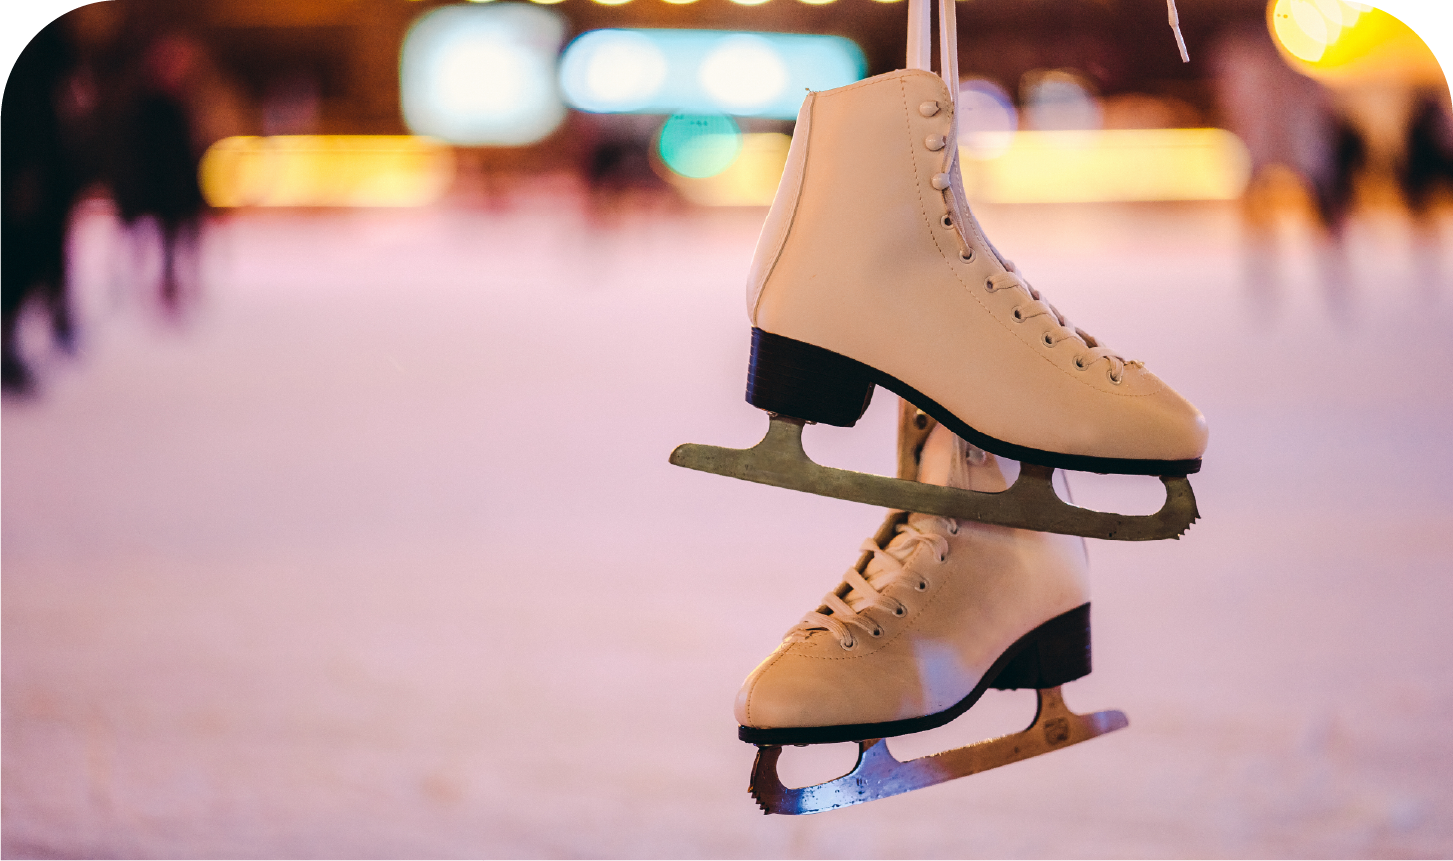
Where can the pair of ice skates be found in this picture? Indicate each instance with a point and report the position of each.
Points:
(871, 271)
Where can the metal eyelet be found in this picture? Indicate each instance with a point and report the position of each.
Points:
(947, 221)
(1114, 379)
(942, 557)
(1048, 340)
(900, 611)
(849, 643)
(922, 586)
(989, 284)
(967, 258)
(953, 527)
(1018, 314)
(877, 632)
(1080, 362)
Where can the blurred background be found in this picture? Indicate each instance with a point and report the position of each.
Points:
(345, 342)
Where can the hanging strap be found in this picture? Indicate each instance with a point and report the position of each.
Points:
(920, 41)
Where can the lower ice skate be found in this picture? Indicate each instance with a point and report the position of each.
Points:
(872, 271)
(936, 611)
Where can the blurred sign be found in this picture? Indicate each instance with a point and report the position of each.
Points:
(483, 75)
(704, 71)
(1111, 165)
(326, 170)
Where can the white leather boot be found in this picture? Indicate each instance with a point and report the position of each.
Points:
(936, 612)
(871, 270)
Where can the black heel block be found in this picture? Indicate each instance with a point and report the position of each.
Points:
(792, 378)
(1059, 652)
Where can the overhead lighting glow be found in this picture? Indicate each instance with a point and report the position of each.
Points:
(482, 75)
(326, 170)
(1111, 165)
(704, 72)
(1336, 41)
(743, 74)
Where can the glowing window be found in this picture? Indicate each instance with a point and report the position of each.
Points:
(704, 72)
(482, 75)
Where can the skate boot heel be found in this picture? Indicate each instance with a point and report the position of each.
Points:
(792, 378)
(1057, 652)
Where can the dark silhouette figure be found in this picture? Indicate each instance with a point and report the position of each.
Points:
(154, 162)
(1428, 162)
(41, 181)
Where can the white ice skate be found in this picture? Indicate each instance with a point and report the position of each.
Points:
(871, 271)
(936, 612)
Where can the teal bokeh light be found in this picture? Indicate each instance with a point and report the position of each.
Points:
(699, 146)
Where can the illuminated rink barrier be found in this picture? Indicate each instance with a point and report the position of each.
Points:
(1110, 165)
(326, 170)
(1035, 167)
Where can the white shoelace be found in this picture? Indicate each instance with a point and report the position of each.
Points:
(1175, 26)
(1064, 330)
(842, 609)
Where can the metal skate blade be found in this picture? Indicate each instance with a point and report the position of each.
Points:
(1031, 502)
(878, 775)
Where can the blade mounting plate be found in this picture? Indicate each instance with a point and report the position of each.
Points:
(878, 774)
(1030, 503)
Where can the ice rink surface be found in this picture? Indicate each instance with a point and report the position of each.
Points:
(378, 554)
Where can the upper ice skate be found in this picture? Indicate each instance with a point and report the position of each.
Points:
(871, 271)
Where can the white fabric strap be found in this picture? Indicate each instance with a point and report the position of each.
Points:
(948, 49)
(920, 35)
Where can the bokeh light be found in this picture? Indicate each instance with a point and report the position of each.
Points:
(699, 146)
(1079, 166)
(482, 75)
(1336, 41)
(1059, 100)
(613, 71)
(1307, 27)
(703, 72)
(326, 170)
(987, 118)
(743, 73)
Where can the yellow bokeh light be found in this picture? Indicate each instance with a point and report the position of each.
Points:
(751, 180)
(326, 170)
(612, 2)
(1335, 41)
(1110, 165)
(680, 2)
(749, 2)
(817, 2)
(1037, 167)
(541, 2)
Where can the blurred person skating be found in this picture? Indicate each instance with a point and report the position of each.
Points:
(41, 180)
(155, 156)
(1427, 164)
(936, 611)
(872, 271)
